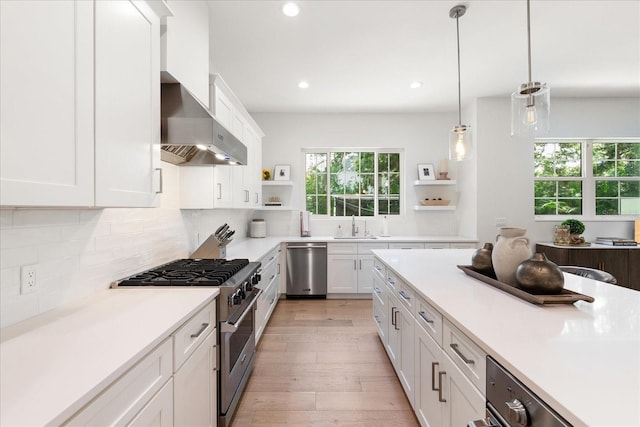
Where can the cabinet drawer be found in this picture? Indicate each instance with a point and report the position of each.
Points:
(406, 245)
(379, 290)
(342, 248)
(392, 281)
(366, 248)
(406, 295)
(192, 333)
(268, 275)
(463, 245)
(436, 245)
(429, 318)
(270, 258)
(120, 403)
(379, 268)
(465, 354)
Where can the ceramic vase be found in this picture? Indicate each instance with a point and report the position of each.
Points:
(538, 275)
(481, 260)
(511, 248)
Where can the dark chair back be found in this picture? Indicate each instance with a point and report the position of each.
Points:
(590, 273)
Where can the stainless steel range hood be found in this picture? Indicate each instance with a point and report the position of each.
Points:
(190, 135)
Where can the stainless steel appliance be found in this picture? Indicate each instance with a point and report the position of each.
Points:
(511, 404)
(307, 270)
(236, 315)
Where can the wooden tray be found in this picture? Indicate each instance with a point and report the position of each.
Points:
(565, 297)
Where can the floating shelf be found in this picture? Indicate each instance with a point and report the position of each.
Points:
(275, 208)
(435, 182)
(277, 183)
(435, 208)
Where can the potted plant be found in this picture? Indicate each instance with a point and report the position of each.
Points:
(576, 228)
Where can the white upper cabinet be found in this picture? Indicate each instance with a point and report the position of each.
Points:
(46, 113)
(185, 46)
(127, 104)
(80, 104)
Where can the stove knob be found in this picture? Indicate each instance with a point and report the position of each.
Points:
(237, 297)
(255, 279)
(248, 286)
(517, 413)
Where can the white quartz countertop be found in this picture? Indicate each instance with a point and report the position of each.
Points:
(582, 359)
(53, 364)
(254, 248)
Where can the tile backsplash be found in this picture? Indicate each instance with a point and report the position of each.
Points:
(80, 251)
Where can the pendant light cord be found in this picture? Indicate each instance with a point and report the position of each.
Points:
(459, 102)
(528, 37)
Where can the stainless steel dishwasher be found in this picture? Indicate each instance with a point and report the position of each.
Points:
(307, 270)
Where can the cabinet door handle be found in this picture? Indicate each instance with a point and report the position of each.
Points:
(354, 265)
(424, 316)
(246, 196)
(454, 347)
(219, 191)
(360, 264)
(433, 376)
(396, 323)
(161, 185)
(393, 316)
(405, 296)
(256, 198)
(202, 328)
(440, 375)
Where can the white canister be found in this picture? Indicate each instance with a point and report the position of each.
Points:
(258, 228)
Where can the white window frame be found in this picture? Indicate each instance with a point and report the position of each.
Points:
(588, 181)
(376, 150)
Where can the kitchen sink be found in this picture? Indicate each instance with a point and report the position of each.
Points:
(355, 237)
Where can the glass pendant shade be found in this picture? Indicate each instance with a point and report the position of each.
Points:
(530, 108)
(460, 143)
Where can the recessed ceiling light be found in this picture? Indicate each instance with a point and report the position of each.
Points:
(303, 84)
(290, 9)
(415, 84)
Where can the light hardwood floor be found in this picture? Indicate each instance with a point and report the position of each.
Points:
(320, 363)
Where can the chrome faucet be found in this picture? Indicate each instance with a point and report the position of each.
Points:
(354, 229)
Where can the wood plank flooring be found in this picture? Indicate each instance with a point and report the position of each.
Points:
(320, 363)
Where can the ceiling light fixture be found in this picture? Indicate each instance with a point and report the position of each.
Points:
(221, 156)
(290, 9)
(530, 103)
(415, 84)
(303, 84)
(460, 135)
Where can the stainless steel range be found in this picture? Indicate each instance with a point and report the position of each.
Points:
(236, 315)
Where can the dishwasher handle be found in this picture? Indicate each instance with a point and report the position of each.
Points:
(308, 247)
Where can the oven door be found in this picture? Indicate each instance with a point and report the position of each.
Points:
(237, 349)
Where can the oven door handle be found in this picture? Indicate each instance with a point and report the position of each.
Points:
(227, 327)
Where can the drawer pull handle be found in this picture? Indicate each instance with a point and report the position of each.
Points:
(202, 328)
(377, 319)
(433, 376)
(424, 316)
(405, 296)
(377, 290)
(454, 347)
(390, 280)
(440, 375)
(271, 278)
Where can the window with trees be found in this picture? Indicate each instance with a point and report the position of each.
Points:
(587, 177)
(346, 183)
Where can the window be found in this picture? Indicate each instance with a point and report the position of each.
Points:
(587, 177)
(346, 183)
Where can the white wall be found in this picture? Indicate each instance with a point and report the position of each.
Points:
(424, 138)
(80, 251)
(505, 164)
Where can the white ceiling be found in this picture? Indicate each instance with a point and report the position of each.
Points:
(361, 56)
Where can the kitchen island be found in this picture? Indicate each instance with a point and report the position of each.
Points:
(582, 359)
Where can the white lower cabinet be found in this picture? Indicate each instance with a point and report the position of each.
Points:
(195, 387)
(174, 384)
(350, 266)
(159, 410)
(443, 383)
(270, 285)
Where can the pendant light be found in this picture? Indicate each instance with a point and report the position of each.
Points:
(460, 135)
(530, 102)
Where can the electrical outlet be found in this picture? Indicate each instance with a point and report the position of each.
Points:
(501, 222)
(28, 279)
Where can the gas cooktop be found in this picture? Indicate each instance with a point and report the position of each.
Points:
(188, 272)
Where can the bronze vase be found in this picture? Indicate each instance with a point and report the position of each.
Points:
(481, 260)
(538, 275)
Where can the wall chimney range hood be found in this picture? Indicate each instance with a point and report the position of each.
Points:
(190, 135)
